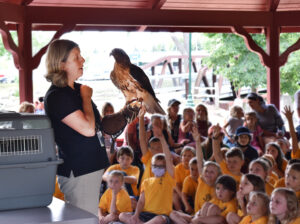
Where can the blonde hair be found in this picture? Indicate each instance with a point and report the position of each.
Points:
(26, 107)
(188, 148)
(234, 110)
(292, 205)
(116, 173)
(58, 52)
(158, 156)
(104, 108)
(265, 199)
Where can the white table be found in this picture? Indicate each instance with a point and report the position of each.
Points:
(57, 212)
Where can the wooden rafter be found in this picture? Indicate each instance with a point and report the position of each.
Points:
(251, 45)
(26, 2)
(158, 4)
(37, 57)
(284, 56)
(10, 45)
(273, 5)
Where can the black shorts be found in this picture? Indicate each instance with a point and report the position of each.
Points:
(146, 216)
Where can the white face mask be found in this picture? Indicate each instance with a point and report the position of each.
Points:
(158, 171)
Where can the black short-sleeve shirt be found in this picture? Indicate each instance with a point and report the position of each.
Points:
(81, 154)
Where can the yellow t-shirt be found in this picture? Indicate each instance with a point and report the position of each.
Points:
(280, 183)
(158, 194)
(269, 188)
(204, 193)
(146, 160)
(226, 171)
(57, 193)
(226, 207)
(248, 220)
(189, 186)
(131, 171)
(295, 155)
(123, 201)
(295, 221)
(181, 173)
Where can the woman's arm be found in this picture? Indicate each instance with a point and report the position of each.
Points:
(83, 121)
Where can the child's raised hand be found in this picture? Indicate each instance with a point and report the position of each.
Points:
(142, 111)
(288, 112)
(195, 133)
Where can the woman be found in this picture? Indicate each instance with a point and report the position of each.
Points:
(174, 118)
(268, 116)
(74, 117)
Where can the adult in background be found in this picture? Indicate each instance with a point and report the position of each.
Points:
(173, 118)
(268, 117)
(75, 119)
(297, 105)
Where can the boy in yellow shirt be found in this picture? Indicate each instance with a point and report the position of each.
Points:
(155, 202)
(114, 200)
(234, 158)
(190, 185)
(131, 173)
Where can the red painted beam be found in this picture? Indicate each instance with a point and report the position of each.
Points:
(12, 13)
(139, 17)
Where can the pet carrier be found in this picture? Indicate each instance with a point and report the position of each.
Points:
(28, 161)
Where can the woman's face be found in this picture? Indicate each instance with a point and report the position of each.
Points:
(108, 110)
(174, 108)
(201, 112)
(254, 104)
(74, 65)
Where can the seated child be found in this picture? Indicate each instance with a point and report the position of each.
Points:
(114, 200)
(234, 158)
(155, 202)
(215, 211)
(189, 187)
(181, 172)
(272, 177)
(280, 162)
(257, 209)
(186, 127)
(249, 183)
(292, 178)
(261, 168)
(206, 182)
(284, 207)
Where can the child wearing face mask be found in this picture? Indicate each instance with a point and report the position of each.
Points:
(284, 207)
(257, 209)
(155, 202)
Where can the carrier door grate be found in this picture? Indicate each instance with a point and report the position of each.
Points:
(20, 145)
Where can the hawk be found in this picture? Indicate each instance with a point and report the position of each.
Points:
(133, 82)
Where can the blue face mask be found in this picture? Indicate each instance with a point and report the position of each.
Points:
(158, 171)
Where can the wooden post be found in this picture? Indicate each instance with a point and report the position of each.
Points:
(25, 70)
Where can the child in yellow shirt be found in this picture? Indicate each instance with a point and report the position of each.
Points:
(131, 173)
(284, 207)
(261, 168)
(292, 178)
(216, 210)
(249, 183)
(181, 172)
(206, 182)
(114, 200)
(190, 185)
(257, 209)
(155, 202)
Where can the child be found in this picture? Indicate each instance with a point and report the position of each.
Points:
(243, 139)
(26, 107)
(257, 209)
(261, 168)
(292, 178)
(249, 183)
(181, 172)
(206, 182)
(131, 173)
(281, 163)
(202, 120)
(174, 118)
(251, 123)
(155, 202)
(273, 177)
(216, 210)
(230, 126)
(114, 200)
(234, 158)
(284, 207)
(189, 187)
(186, 127)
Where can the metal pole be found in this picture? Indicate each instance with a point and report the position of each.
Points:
(190, 97)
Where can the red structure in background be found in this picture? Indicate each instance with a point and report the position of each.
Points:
(270, 17)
